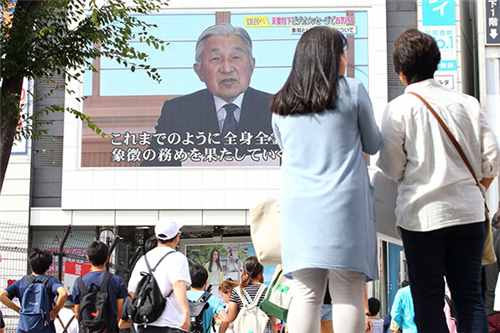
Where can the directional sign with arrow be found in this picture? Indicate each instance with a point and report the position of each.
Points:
(493, 33)
(492, 22)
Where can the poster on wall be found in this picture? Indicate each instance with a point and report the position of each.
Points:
(224, 261)
(212, 106)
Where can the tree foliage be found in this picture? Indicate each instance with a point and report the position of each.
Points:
(40, 39)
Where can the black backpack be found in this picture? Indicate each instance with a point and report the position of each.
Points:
(197, 309)
(94, 313)
(148, 302)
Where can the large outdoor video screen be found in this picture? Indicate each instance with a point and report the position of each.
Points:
(202, 115)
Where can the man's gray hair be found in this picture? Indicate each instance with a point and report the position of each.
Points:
(222, 30)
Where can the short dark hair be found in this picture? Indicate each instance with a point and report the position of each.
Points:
(40, 261)
(150, 243)
(312, 84)
(373, 306)
(416, 55)
(199, 276)
(166, 241)
(405, 283)
(97, 253)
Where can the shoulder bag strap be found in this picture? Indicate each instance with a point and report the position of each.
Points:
(159, 262)
(65, 327)
(205, 296)
(81, 286)
(68, 324)
(259, 294)
(150, 271)
(105, 281)
(243, 298)
(275, 281)
(455, 143)
(61, 322)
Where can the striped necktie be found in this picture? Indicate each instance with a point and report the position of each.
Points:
(230, 124)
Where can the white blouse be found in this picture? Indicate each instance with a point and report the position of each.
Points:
(435, 189)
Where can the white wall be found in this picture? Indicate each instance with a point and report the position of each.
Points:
(14, 221)
(217, 195)
(59, 217)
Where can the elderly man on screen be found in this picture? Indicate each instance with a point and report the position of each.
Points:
(228, 106)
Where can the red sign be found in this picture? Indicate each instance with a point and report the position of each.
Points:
(76, 268)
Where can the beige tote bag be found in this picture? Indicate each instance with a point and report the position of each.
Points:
(265, 232)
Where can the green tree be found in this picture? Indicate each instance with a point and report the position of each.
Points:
(42, 38)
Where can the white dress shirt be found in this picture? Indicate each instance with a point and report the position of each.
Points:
(221, 112)
(435, 189)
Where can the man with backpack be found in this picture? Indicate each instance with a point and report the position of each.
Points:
(203, 305)
(98, 295)
(36, 293)
(159, 283)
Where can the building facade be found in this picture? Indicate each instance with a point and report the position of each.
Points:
(72, 179)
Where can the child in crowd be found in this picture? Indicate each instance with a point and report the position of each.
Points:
(29, 287)
(98, 255)
(199, 284)
(376, 323)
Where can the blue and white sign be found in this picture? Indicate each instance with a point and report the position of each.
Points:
(439, 21)
(438, 12)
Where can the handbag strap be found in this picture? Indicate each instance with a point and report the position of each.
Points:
(455, 143)
(243, 296)
(275, 281)
(259, 294)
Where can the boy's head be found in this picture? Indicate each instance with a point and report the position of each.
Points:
(40, 261)
(199, 276)
(97, 252)
(373, 306)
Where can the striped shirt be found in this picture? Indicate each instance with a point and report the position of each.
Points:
(251, 290)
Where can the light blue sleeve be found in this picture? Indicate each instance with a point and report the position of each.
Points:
(371, 138)
(396, 311)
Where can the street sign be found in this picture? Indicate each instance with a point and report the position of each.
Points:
(438, 12)
(492, 18)
(446, 80)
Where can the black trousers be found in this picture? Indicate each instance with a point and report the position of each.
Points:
(455, 253)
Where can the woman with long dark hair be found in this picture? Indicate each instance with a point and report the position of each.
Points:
(324, 122)
(214, 268)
